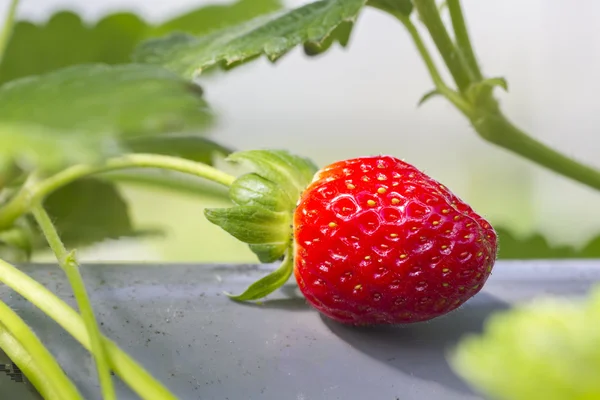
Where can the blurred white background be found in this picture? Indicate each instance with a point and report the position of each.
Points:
(362, 100)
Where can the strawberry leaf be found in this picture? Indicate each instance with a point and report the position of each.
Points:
(65, 39)
(214, 17)
(265, 200)
(403, 7)
(82, 113)
(268, 253)
(254, 190)
(70, 208)
(269, 283)
(273, 35)
(546, 349)
(16, 243)
(252, 224)
(535, 246)
(292, 173)
(427, 96)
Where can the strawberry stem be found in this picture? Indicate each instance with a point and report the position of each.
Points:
(454, 59)
(483, 110)
(440, 86)
(24, 348)
(33, 191)
(66, 260)
(7, 27)
(133, 374)
(462, 37)
(497, 129)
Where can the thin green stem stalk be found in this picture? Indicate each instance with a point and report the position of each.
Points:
(486, 117)
(24, 348)
(67, 262)
(461, 36)
(180, 183)
(7, 27)
(439, 83)
(131, 372)
(32, 193)
(453, 58)
(497, 129)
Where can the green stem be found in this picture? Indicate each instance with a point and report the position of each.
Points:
(67, 262)
(24, 348)
(497, 129)
(485, 115)
(131, 372)
(453, 58)
(32, 193)
(176, 183)
(462, 37)
(439, 83)
(7, 27)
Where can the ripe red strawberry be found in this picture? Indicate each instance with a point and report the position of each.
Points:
(378, 241)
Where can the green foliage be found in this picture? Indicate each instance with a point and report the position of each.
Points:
(272, 35)
(81, 113)
(290, 172)
(67, 40)
(547, 349)
(536, 246)
(254, 190)
(214, 17)
(427, 96)
(268, 284)
(251, 224)
(71, 210)
(478, 92)
(16, 243)
(264, 200)
(191, 147)
(403, 7)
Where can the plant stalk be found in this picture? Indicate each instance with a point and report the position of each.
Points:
(461, 36)
(453, 58)
(486, 118)
(24, 348)
(441, 87)
(497, 129)
(67, 262)
(7, 28)
(34, 192)
(133, 374)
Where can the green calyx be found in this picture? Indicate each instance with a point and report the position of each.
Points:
(262, 215)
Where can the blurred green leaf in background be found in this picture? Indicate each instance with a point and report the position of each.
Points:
(80, 113)
(65, 39)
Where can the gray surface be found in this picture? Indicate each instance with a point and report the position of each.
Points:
(176, 322)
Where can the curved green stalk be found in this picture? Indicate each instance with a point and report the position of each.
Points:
(133, 374)
(439, 83)
(497, 129)
(24, 348)
(7, 27)
(485, 115)
(68, 263)
(461, 36)
(33, 192)
(429, 13)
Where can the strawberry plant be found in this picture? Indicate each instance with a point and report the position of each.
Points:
(369, 240)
